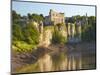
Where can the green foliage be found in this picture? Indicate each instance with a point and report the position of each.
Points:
(31, 34)
(89, 31)
(17, 33)
(29, 16)
(22, 46)
(73, 19)
(36, 17)
(15, 16)
(89, 27)
(23, 38)
(57, 37)
(51, 27)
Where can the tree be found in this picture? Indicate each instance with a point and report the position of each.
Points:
(57, 37)
(31, 34)
(89, 30)
(42, 15)
(17, 32)
(29, 16)
(15, 16)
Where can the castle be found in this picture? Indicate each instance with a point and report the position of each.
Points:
(72, 31)
(54, 18)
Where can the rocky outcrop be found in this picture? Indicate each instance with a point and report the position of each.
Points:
(45, 38)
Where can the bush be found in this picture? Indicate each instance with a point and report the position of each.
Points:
(24, 39)
(17, 33)
(89, 30)
(58, 38)
(21, 46)
(31, 34)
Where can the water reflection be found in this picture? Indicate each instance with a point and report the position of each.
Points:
(60, 61)
(74, 61)
(45, 63)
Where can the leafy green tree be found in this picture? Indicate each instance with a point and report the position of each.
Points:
(31, 34)
(35, 17)
(29, 16)
(41, 15)
(89, 31)
(17, 32)
(15, 16)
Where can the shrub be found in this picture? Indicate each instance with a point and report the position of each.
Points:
(58, 38)
(31, 34)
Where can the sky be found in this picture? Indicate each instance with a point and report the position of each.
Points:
(43, 8)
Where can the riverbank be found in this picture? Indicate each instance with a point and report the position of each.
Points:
(54, 54)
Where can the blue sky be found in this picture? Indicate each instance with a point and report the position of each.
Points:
(42, 8)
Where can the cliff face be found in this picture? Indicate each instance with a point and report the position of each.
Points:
(72, 32)
(46, 37)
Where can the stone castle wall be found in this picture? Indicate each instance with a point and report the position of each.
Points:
(54, 18)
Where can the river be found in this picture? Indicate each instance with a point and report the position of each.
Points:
(63, 58)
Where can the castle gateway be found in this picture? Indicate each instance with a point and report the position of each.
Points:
(54, 18)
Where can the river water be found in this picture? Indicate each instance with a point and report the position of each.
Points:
(65, 58)
(60, 62)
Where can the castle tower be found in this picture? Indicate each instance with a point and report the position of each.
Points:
(56, 17)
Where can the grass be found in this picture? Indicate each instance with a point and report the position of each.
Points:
(21, 46)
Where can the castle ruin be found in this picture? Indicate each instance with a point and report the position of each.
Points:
(54, 18)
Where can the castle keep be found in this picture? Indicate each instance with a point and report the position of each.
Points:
(54, 18)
